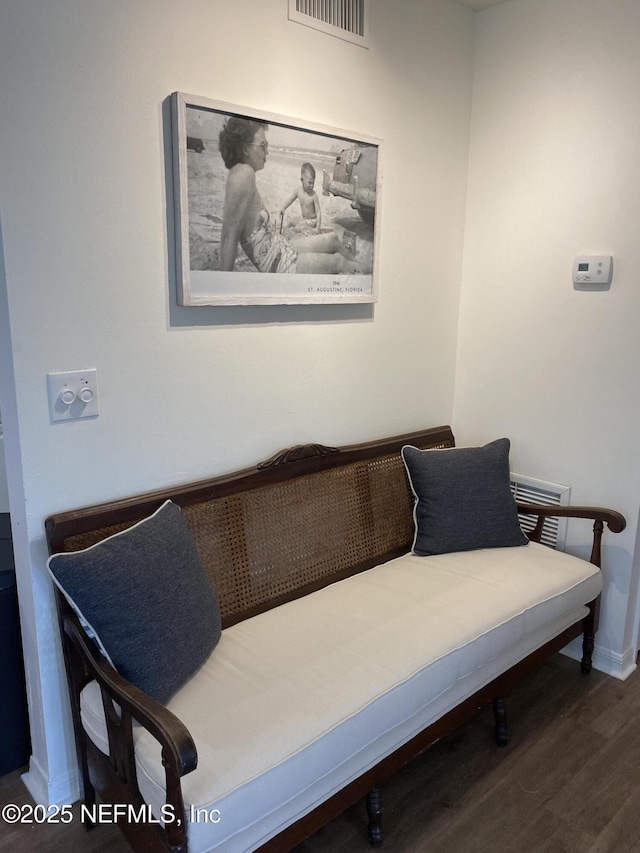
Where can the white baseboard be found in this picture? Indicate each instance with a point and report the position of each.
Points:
(604, 660)
(49, 792)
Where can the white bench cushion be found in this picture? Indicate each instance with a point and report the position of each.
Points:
(295, 703)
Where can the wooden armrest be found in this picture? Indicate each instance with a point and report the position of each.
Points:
(123, 703)
(615, 521)
(178, 748)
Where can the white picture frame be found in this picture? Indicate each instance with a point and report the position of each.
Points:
(347, 189)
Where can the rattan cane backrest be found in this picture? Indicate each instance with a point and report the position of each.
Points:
(262, 544)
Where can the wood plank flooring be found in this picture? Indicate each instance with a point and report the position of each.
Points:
(569, 782)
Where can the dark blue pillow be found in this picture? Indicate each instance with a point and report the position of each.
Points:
(463, 499)
(144, 596)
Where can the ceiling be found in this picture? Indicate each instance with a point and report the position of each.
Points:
(480, 4)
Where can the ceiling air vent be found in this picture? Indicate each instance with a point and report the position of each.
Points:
(529, 491)
(346, 19)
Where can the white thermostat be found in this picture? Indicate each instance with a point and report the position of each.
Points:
(592, 269)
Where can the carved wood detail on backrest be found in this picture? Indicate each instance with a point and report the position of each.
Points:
(297, 453)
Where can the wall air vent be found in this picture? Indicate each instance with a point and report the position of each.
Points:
(346, 19)
(529, 491)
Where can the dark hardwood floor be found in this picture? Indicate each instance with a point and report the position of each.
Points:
(568, 781)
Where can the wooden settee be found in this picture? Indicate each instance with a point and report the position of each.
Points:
(301, 522)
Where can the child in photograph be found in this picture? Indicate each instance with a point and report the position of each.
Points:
(309, 201)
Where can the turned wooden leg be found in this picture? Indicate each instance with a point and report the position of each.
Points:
(590, 627)
(500, 715)
(588, 643)
(88, 793)
(374, 813)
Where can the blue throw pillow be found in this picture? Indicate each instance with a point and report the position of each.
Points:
(144, 596)
(463, 499)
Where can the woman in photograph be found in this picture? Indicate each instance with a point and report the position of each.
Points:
(245, 221)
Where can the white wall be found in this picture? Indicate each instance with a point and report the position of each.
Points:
(186, 393)
(555, 172)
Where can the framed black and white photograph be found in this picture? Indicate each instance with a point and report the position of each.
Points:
(272, 210)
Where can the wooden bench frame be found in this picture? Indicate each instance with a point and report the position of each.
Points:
(113, 779)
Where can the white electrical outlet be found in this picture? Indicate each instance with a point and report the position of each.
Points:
(73, 395)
